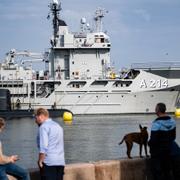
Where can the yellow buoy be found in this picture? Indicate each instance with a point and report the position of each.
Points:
(177, 112)
(67, 116)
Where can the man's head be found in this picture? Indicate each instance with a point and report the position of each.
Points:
(160, 109)
(2, 124)
(41, 115)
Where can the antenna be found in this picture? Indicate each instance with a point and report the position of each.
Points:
(99, 14)
(83, 23)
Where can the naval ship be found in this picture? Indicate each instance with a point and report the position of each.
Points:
(78, 75)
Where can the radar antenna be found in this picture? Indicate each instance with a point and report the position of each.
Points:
(99, 14)
(55, 8)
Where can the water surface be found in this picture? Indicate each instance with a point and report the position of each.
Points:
(88, 138)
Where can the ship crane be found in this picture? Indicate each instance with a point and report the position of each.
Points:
(31, 61)
(12, 54)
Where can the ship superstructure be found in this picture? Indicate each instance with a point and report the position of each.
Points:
(80, 55)
(79, 76)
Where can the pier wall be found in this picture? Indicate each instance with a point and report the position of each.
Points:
(124, 169)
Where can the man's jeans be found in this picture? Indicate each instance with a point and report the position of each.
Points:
(52, 172)
(14, 170)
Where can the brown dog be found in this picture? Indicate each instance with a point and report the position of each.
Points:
(140, 138)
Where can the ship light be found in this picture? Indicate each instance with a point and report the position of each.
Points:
(67, 117)
(177, 112)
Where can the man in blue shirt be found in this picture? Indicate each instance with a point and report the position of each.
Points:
(50, 142)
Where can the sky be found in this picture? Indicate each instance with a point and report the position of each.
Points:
(140, 30)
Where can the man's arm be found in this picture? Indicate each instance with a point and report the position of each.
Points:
(43, 145)
(41, 159)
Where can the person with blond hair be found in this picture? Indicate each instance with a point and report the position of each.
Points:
(7, 163)
(50, 143)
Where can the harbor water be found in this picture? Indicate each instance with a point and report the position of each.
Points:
(87, 139)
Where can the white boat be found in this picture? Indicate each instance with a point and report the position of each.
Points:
(78, 75)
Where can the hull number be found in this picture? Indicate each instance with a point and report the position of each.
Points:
(154, 83)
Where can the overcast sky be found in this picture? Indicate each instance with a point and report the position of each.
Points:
(140, 30)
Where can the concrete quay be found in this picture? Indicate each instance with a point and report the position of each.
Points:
(123, 169)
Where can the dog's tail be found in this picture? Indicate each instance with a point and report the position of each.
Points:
(121, 141)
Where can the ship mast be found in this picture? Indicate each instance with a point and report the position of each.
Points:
(99, 14)
(55, 8)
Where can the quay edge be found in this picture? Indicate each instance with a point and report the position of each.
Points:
(122, 169)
